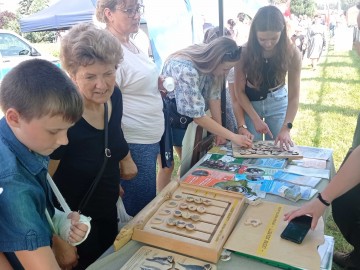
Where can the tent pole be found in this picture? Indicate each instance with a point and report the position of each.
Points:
(221, 17)
(223, 90)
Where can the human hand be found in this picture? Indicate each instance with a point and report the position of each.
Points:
(220, 140)
(262, 127)
(246, 133)
(315, 208)
(65, 254)
(284, 139)
(128, 168)
(242, 140)
(78, 230)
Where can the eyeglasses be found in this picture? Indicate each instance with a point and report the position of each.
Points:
(131, 12)
(233, 55)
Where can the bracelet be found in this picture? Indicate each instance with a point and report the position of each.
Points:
(326, 203)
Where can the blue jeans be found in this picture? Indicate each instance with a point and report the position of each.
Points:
(272, 110)
(178, 135)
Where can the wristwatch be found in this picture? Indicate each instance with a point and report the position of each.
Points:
(243, 126)
(289, 125)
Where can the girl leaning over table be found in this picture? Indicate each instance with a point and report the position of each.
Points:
(196, 71)
(267, 57)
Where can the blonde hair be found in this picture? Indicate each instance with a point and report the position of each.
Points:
(110, 4)
(207, 57)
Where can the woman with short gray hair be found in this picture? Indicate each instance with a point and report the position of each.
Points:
(96, 142)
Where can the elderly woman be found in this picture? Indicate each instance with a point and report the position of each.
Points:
(90, 56)
(143, 120)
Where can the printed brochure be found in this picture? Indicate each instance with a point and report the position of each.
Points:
(297, 178)
(288, 190)
(272, 163)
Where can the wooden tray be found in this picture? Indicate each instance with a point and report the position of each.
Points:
(185, 203)
(263, 242)
(265, 149)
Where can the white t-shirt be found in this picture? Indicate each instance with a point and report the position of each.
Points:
(143, 118)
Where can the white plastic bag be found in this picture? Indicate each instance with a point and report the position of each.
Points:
(123, 217)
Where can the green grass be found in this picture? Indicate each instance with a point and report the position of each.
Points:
(329, 103)
(329, 106)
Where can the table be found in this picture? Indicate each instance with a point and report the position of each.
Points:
(111, 260)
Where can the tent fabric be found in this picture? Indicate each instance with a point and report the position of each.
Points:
(61, 15)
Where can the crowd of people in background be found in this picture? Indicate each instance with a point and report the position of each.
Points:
(309, 33)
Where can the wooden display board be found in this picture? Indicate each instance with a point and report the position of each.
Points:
(189, 219)
(262, 240)
(156, 259)
(265, 149)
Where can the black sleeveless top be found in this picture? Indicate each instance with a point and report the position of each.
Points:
(268, 82)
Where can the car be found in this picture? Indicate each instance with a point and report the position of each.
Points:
(14, 49)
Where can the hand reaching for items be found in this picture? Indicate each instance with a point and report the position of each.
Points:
(242, 140)
(315, 208)
(220, 140)
(284, 139)
(262, 127)
(246, 133)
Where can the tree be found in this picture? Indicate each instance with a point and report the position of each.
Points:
(5, 18)
(301, 7)
(346, 4)
(28, 7)
(9, 20)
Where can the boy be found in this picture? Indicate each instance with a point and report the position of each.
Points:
(39, 103)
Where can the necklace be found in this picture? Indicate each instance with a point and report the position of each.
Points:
(266, 60)
(131, 47)
(125, 42)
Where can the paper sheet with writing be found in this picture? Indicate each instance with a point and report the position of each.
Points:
(315, 152)
(322, 173)
(264, 242)
(310, 163)
(297, 178)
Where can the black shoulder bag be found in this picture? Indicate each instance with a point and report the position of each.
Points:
(177, 120)
(107, 153)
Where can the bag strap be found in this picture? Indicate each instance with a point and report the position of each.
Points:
(94, 184)
(58, 195)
